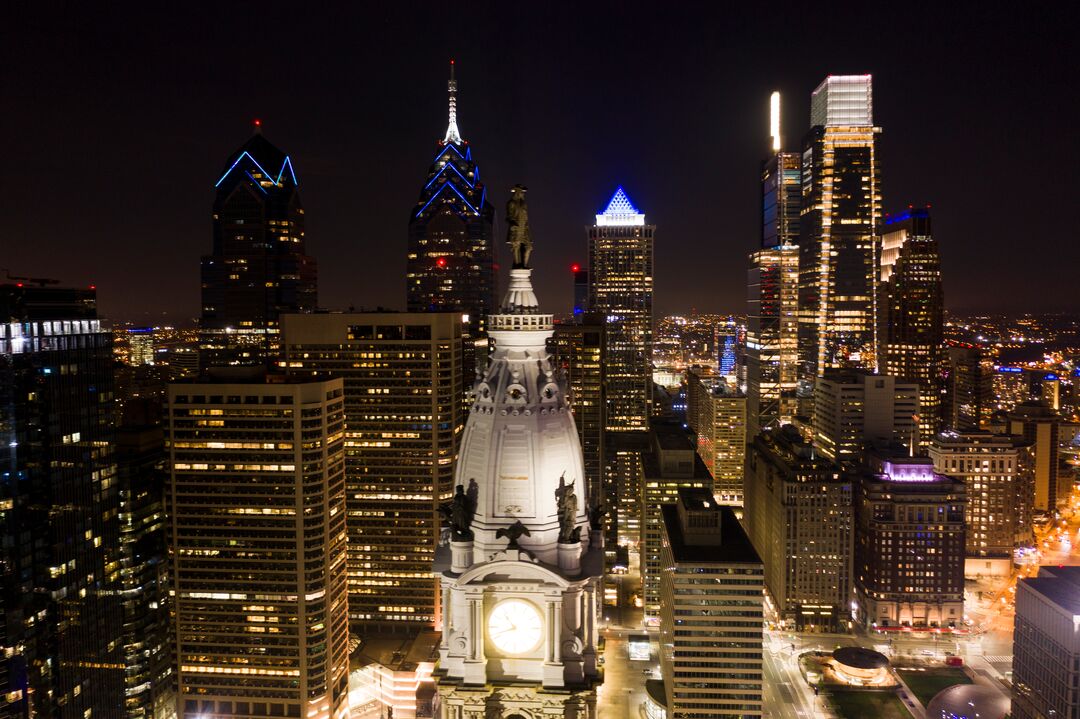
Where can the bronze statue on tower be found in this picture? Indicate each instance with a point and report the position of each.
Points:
(517, 227)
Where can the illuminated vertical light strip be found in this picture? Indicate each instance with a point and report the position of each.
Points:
(774, 120)
(452, 134)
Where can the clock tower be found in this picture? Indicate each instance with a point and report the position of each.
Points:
(520, 573)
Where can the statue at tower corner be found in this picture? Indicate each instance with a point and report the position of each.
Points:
(458, 513)
(567, 502)
(517, 227)
(597, 512)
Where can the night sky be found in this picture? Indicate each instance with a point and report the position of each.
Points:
(117, 120)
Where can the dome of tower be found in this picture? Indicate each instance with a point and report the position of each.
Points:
(520, 443)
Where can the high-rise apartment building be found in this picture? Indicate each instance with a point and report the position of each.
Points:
(852, 407)
(144, 578)
(621, 289)
(258, 268)
(969, 395)
(909, 545)
(1046, 645)
(712, 611)
(1040, 425)
(838, 246)
(798, 512)
(451, 256)
(998, 473)
(60, 623)
(717, 415)
(669, 467)
(579, 351)
(911, 313)
(404, 413)
(256, 503)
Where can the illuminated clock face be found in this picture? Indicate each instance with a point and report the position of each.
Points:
(515, 626)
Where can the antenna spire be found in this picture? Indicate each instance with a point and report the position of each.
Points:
(452, 133)
(774, 121)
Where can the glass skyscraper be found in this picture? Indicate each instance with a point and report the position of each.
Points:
(451, 256)
(838, 246)
(258, 268)
(60, 619)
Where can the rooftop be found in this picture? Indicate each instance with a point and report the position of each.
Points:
(1061, 585)
(734, 546)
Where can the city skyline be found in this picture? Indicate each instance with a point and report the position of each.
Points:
(98, 99)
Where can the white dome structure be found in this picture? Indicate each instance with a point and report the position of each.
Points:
(520, 441)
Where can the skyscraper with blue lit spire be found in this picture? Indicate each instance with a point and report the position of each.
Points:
(451, 257)
(258, 268)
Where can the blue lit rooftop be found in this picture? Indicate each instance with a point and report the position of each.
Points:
(620, 211)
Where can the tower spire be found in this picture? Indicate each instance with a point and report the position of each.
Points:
(452, 133)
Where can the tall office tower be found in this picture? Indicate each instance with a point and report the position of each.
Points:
(403, 421)
(451, 256)
(521, 575)
(852, 407)
(144, 579)
(970, 388)
(581, 288)
(772, 337)
(773, 298)
(1040, 425)
(999, 473)
(258, 268)
(669, 467)
(621, 289)
(798, 511)
(838, 247)
(911, 312)
(579, 352)
(909, 545)
(710, 658)
(717, 415)
(1046, 645)
(59, 562)
(256, 504)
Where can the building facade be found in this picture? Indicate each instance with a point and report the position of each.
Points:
(258, 267)
(712, 617)
(717, 414)
(852, 407)
(999, 474)
(579, 350)
(909, 546)
(912, 313)
(669, 467)
(838, 246)
(521, 576)
(799, 515)
(257, 534)
(402, 376)
(1046, 645)
(1041, 426)
(144, 576)
(451, 255)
